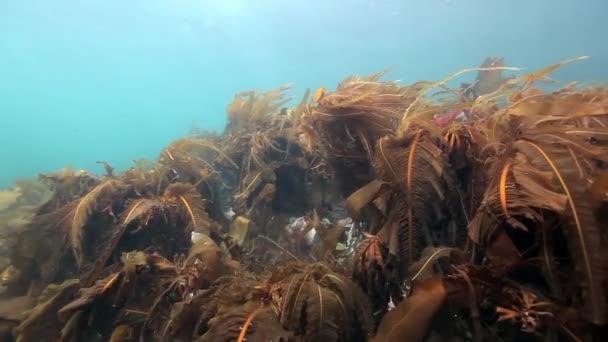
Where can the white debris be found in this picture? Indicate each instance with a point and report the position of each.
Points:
(229, 214)
(196, 237)
(349, 225)
(391, 305)
(297, 225)
(310, 236)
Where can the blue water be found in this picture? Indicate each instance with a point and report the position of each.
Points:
(83, 80)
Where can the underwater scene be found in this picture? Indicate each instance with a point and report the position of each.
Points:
(339, 170)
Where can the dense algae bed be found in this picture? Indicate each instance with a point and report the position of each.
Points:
(373, 212)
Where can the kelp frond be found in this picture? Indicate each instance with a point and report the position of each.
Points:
(186, 196)
(410, 320)
(250, 107)
(419, 181)
(188, 148)
(141, 209)
(585, 231)
(86, 206)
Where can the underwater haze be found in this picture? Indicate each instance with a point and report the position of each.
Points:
(82, 81)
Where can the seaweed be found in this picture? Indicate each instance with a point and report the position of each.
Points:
(82, 211)
(374, 211)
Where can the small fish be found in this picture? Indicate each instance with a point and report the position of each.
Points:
(488, 81)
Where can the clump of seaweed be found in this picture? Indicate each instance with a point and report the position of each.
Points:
(274, 175)
(343, 126)
(374, 212)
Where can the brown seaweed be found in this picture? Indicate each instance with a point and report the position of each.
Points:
(471, 230)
